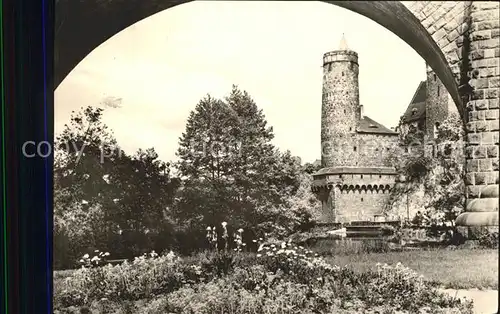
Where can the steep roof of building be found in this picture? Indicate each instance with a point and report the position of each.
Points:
(416, 108)
(368, 125)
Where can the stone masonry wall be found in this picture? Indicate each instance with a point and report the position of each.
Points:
(446, 22)
(439, 103)
(374, 149)
(482, 129)
(359, 205)
(340, 108)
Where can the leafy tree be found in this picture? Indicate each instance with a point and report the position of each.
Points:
(105, 199)
(231, 171)
(440, 173)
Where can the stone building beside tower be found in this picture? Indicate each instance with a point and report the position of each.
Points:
(354, 181)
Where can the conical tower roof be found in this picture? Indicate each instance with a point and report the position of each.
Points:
(343, 43)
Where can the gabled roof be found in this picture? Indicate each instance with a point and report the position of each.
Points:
(368, 125)
(416, 108)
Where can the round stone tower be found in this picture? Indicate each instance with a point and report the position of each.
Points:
(340, 108)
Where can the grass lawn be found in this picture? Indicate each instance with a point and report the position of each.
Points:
(457, 269)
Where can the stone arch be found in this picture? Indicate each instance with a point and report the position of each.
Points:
(363, 188)
(345, 187)
(357, 188)
(351, 188)
(387, 187)
(81, 26)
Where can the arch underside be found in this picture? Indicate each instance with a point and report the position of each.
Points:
(81, 26)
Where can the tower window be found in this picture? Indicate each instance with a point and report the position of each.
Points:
(361, 199)
(361, 176)
(342, 73)
(344, 111)
(439, 92)
(354, 148)
(350, 129)
(340, 176)
(434, 77)
(380, 176)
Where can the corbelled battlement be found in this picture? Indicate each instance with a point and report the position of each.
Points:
(340, 56)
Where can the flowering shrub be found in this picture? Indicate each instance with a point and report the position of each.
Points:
(281, 277)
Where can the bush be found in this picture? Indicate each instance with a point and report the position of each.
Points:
(282, 277)
(488, 240)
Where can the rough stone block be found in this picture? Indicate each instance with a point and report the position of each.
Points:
(492, 151)
(439, 34)
(494, 165)
(493, 103)
(477, 94)
(492, 24)
(491, 114)
(495, 33)
(494, 125)
(481, 83)
(485, 165)
(487, 138)
(494, 83)
(480, 178)
(477, 55)
(474, 138)
(472, 165)
(481, 115)
(481, 104)
(492, 93)
(471, 126)
(473, 191)
(489, 53)
(481, 35)
(479, 152)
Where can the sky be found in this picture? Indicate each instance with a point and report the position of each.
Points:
(163, 65)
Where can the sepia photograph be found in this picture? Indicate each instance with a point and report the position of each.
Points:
(292, 157)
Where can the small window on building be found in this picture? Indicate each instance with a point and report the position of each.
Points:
(435, 77)
(354, 148)
(436, 126)
(380, 176)
(329, 67)
(340, 176)
(344, 111)
(439, 90)
(361, 199)
(342, 73)
(361, 176)
(350, 129)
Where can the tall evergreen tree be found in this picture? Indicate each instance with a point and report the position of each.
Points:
(227, 156)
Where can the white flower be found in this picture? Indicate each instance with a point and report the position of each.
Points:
(86, 176)
(240, 230)
(95, 258)
(84, 202)
(224, 224)
(86, 256)
(209, 229)
(106, 178)
(116, 200)
(106, 254)
(259, 255)
(254, 241)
